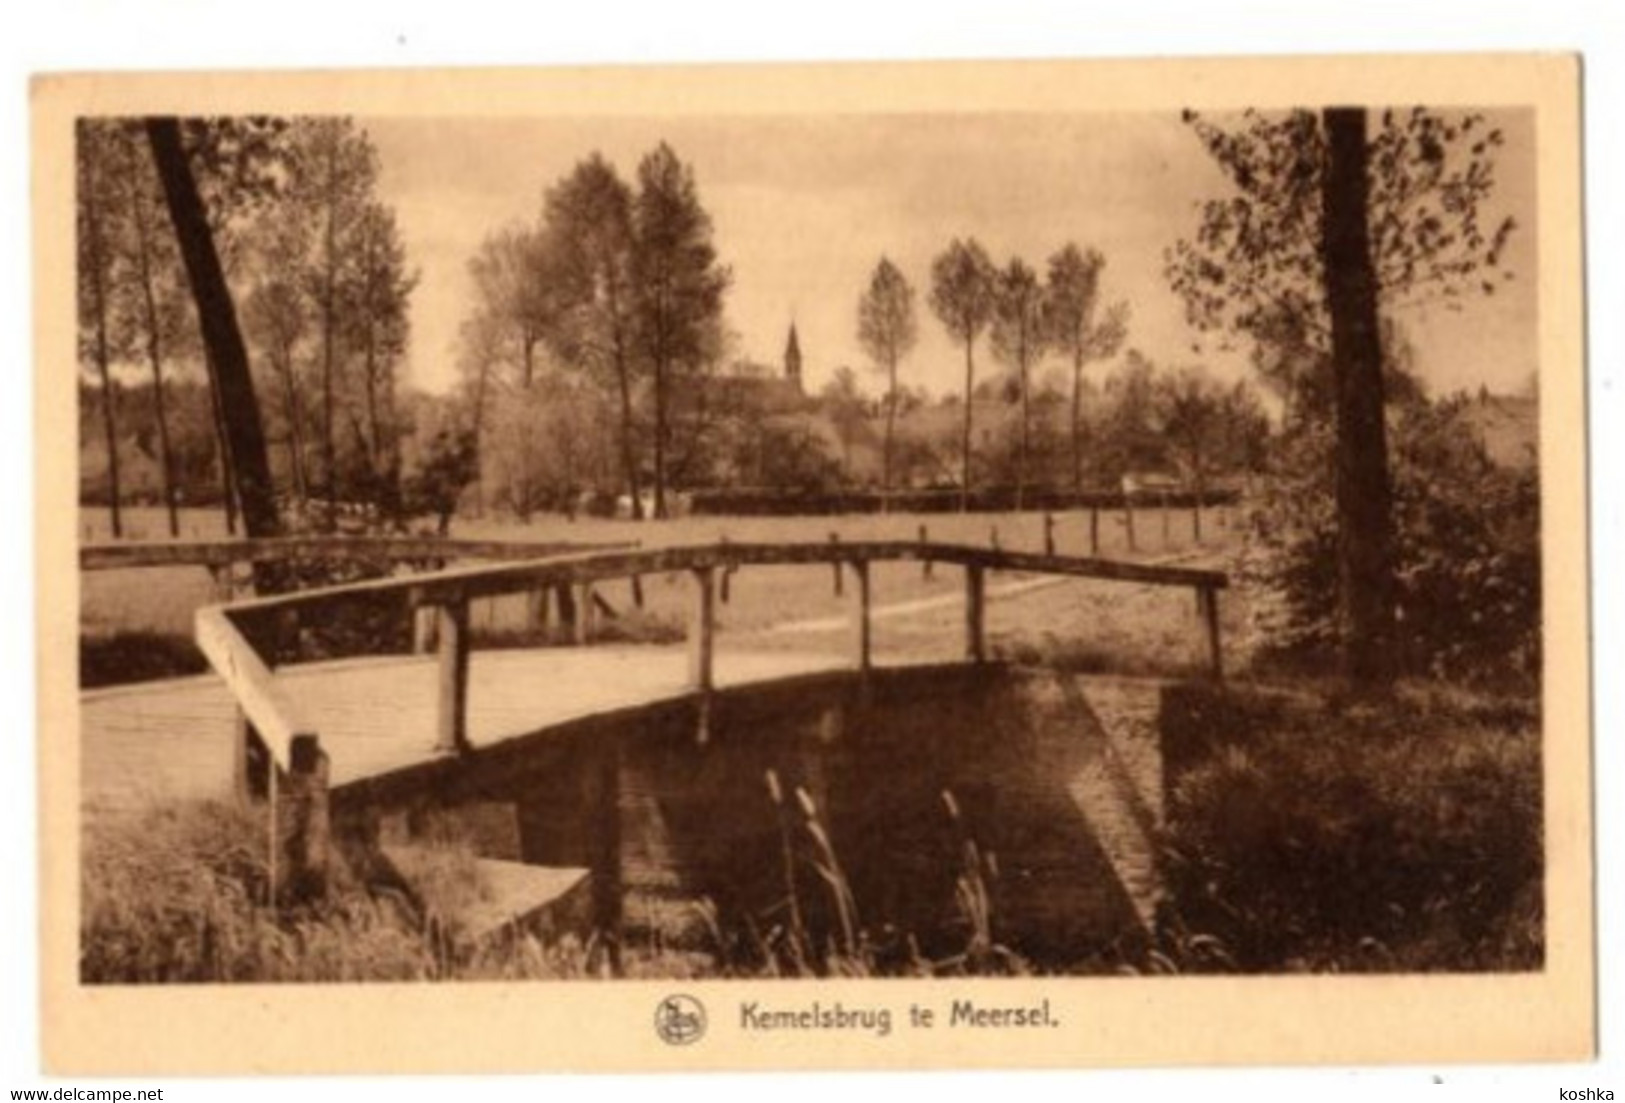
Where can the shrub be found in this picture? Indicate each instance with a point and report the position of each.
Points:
(1406, 836)
(1467, 552)
(136, 657)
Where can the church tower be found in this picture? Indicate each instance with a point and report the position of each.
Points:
(792, 359)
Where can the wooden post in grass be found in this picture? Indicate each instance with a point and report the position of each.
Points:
(1207, 601)
(451, 723)
(303, 826)
(702, 646)
(975, 613)
(834, 541)
(862, 632)
(925, 562)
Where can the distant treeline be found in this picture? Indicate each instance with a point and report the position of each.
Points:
(770, 502)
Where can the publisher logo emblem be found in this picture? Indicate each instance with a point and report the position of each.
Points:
(680, 1020)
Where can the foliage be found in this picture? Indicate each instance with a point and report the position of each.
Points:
(1074, 325)
(449, 465)
(1468, 552)
(1405, 837)
(678, 291)
(136, 656)
(1254, 263)
(887, 330)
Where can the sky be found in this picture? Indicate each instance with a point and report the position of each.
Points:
(804, 207)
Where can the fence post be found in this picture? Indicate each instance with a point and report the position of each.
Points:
(1196, 518)
(727, 571)
(1049, 533)
(1128, 518)
(1207, 600)
(860, 569)
(1167, 528)
(925, 563)
(451, 727)
(835, 565)
(975, 620)
(1094, 529)
(304, 827)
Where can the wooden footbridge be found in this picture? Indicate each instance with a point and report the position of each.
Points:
(330, 725)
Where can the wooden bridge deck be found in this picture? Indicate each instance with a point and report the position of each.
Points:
(169, 740)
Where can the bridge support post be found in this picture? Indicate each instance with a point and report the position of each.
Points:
(702, 646)
(975, 613)
(423, 629)
(1207, 602)
(862, 630)
(586, 614)
(304, 831)
(451, 727)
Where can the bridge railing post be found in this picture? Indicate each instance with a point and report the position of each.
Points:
(1207, 602)
(862, 628)
(303, 827)
(975, 613)
(451, 727)
(925, 561)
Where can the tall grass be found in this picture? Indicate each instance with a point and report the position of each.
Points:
(179, 896)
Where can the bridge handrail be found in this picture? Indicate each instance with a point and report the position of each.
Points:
(215, 554)
(458, 584)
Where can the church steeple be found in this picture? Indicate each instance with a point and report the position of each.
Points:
(792, 358)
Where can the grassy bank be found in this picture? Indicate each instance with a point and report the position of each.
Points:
(1314, 834)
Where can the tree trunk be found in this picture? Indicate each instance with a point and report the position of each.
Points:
(296, 434)
(1364, 511)
(1026, 435)
(98, 286)
(660, 440)
(478, 429)
(221, 334)
(1077, 423)
(629, 459)
(964, 450)
(228, 478)
(891, 421)
(329, 278)
(155, 357)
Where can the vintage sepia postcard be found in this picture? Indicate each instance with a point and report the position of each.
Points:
(1007, 564)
